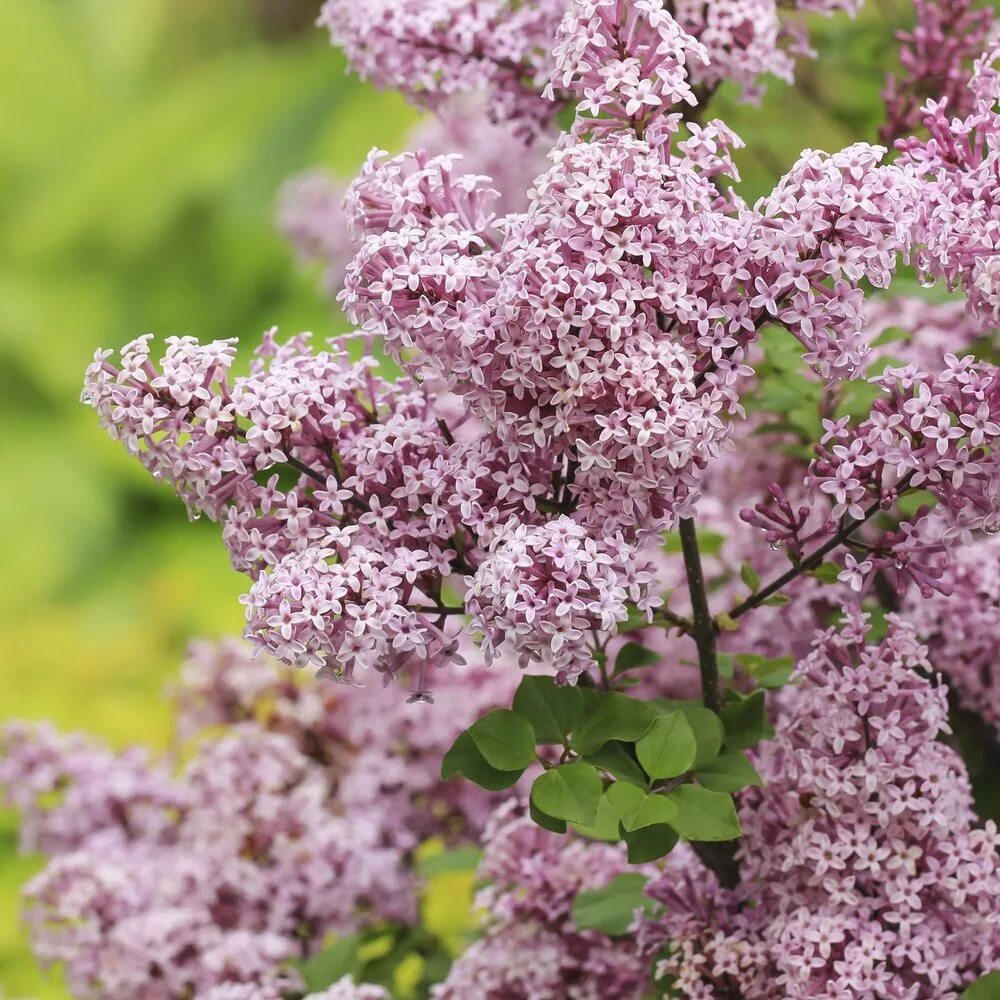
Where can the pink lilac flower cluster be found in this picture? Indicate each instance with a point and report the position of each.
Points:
(960, 627)
(546, 589)
(433, 50)
(167, 887)
(296, 817)
(530, 948)
(959, 226)
(375, 472)
(580, 360)
(863, 871)
(936, 56)
(385, 754)
(311, 211)
(936, 432)
(628, 61)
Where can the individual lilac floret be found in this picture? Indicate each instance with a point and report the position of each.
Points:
(863, 871)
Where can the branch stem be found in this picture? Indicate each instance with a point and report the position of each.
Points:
(703, 629)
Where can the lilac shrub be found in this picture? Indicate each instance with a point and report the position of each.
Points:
(725, 494)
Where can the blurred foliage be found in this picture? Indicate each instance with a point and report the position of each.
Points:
(141, 146)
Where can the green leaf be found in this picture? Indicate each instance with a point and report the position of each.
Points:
(726, 665)
(612, 909)
(632, 656)
(636, 809)
(749, 576)
(668, 748)
(615, 717)
(505, 739)
(545, 821)
(729, 773)
(826, 573)
(618, 762)
(745, 721)
(985, 988)
(324, 968)
(554, 710)
(655, 810)
(570, 792)
(465, 758)
(650, 843)
(767, 672)
(708, 733)
(626, 800)
(605, 825)
(777, 601)
(703, 814)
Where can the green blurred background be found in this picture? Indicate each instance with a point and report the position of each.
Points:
(142, 143)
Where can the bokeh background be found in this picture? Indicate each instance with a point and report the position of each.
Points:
(142, 145)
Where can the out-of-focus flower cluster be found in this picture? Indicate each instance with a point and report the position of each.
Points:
(864, 872)
(960, 627)
(530, 946)
(433, 50)
(296, 817)
(936, 57)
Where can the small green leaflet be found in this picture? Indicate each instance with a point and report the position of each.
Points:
(729, 773)
(985, 988)
(465, 758)
(703, 814)
(668, 748)
(505, 739)
(570, 792)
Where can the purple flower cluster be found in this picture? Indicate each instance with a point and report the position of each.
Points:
(311, 211)
(548, 589)
(176, 885)
(297, 818)
(628, 61)
(937, 432)
(960, 627)
(863, 872)
(433, 50)
(936, 56)
(572, 372)
(531, 948)
(959, 226)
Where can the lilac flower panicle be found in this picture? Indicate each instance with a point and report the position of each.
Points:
(864, 871)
